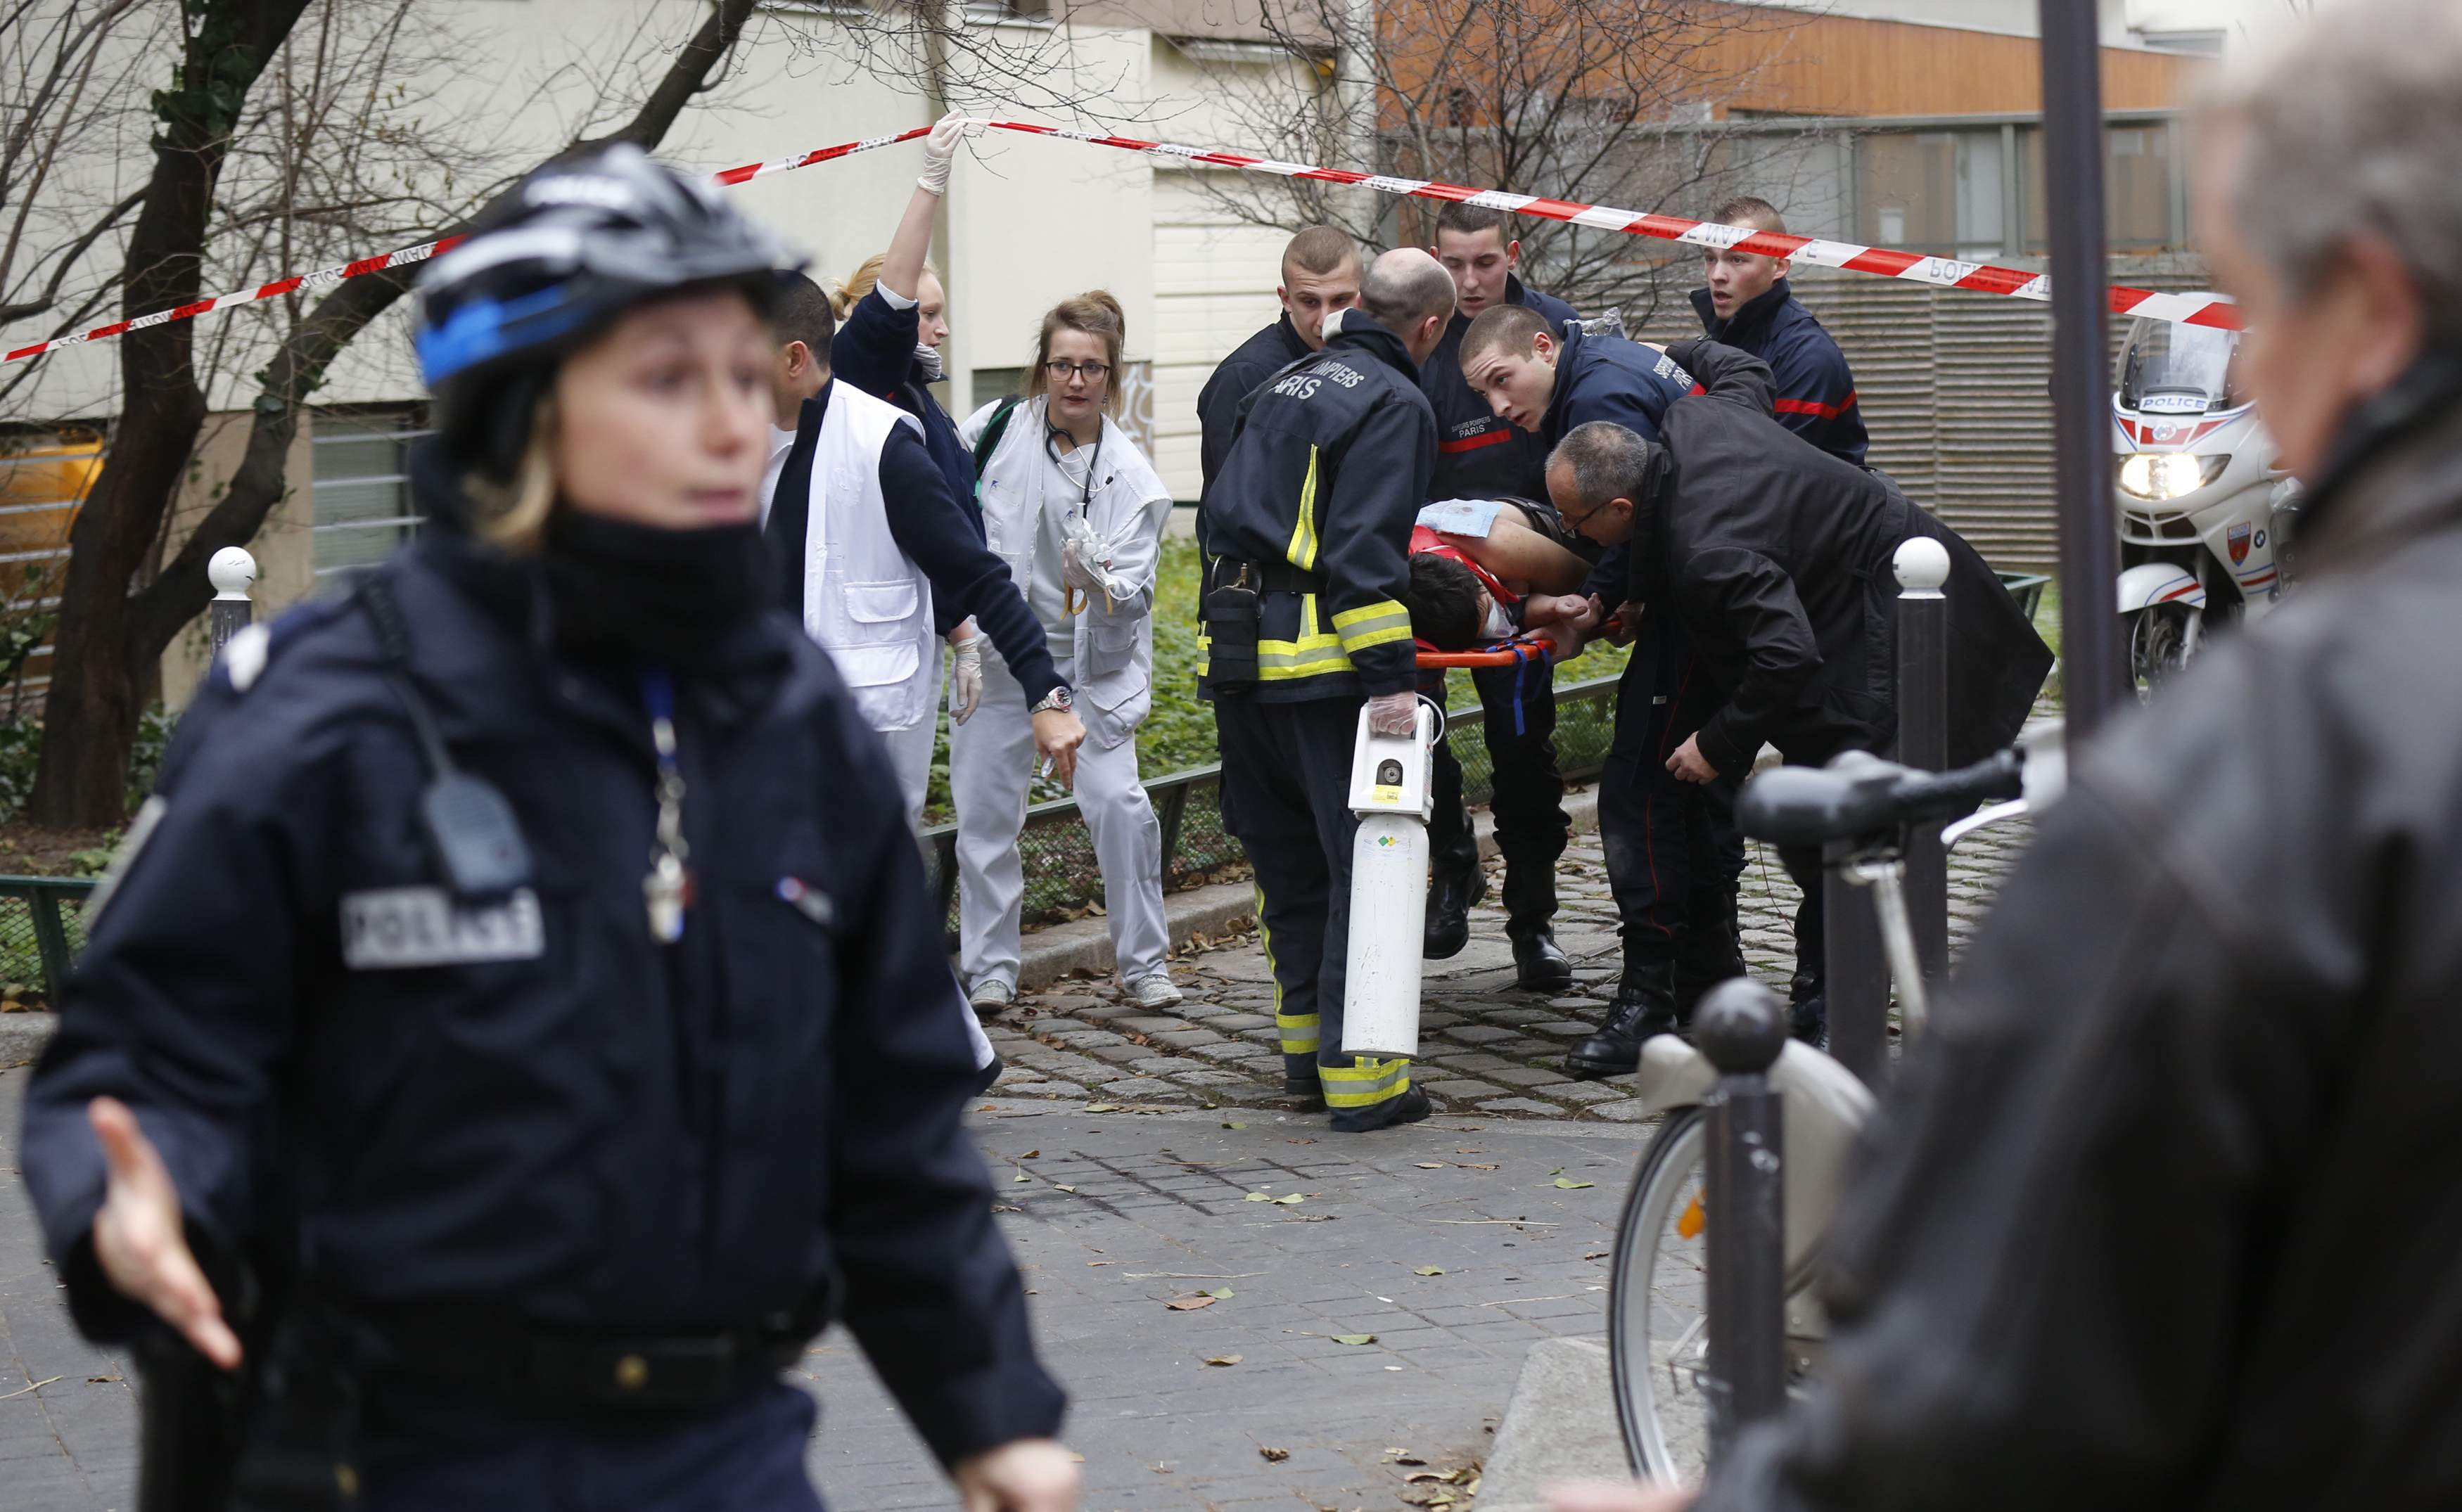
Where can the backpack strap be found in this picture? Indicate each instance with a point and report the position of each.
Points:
(989, 441)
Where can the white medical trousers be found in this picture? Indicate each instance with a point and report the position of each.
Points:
(992, 761)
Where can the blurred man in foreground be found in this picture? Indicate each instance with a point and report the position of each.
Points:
(2167, 1213)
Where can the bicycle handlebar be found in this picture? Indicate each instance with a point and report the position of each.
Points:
(1861, 797)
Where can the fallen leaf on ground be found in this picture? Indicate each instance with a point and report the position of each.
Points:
(1218, 1293)
(1287, 1140)
(1429, 1165)
(1023, 1178)
(1188, 1304)
(1596, 1254)
(1274, 1457)
(1569, 1184)
(1479, 1168)
(1235, 1126)
(1223, 1359)
(1102, 1107)
(1354, 1338)
(1462, 1151)
(1031, 1154)
(1278, 1201)
(1428, 1270)
(1057, 1187)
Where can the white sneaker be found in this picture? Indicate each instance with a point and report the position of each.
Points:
(1153, 992)
(990, 996)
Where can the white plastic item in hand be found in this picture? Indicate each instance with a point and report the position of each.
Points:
(1085, 561)
(941, 153)
(965, 678)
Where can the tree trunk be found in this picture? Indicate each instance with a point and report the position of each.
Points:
(97, 687)
(111, 631)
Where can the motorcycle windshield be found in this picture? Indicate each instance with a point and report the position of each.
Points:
(2169, 369)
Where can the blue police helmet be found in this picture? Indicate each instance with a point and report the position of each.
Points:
(571, 246)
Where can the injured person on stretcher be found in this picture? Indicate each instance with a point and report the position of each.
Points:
(1485, 570)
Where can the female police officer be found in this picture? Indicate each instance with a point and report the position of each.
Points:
(522, 980)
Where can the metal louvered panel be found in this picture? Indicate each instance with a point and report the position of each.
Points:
(1955, 390)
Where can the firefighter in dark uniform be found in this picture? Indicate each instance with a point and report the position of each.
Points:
(1673, 851)
(1307, 533)
(1748, 304)
(1320, 278)
(517, 1025)
(1482, 456)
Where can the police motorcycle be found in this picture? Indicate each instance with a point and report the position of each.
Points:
(2203, 505)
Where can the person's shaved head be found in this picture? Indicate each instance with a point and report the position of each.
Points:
(1320, 250)
(1409, 293)
(1503, 328)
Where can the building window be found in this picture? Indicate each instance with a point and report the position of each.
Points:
(2138, 202)
(1930, 191)
(360, 487)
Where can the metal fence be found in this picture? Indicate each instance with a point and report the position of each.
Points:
(40, 933)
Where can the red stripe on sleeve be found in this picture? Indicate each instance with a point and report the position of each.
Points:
(1807, 406)
(1485, 437)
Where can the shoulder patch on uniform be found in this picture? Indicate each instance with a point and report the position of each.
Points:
(399, 928)
(244, 656)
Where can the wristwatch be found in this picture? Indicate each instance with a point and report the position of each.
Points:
(1059, 697)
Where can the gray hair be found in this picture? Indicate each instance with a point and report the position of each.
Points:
(1405, 287)
(2352, 120)
(1608, 461)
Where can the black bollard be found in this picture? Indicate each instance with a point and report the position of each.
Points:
(1742, 1027)
(1922, 566)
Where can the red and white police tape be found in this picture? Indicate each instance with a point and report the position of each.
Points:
(1948, 272)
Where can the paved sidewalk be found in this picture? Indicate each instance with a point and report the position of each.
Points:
(1115, 1217)
(1486, 1047)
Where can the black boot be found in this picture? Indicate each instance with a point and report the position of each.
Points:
(1408, 1109)
(1450, 898)
(1305, 1091)
(1808, 1020)
(1615, 1050)
(1538, 965)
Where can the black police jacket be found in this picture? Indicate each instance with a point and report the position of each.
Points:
(1813, 393)
(1234, 378)
(1779, 563)
(1323, 484)
(1609, 378)
(1478, 455)
(2103, 1252)
(535, 1109)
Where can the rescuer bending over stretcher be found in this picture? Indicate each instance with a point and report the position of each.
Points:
(1485, 571)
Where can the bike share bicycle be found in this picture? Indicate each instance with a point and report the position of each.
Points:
(1860, 809)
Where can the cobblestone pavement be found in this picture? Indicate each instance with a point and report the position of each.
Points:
(1368, 1331)
(1486, 1047)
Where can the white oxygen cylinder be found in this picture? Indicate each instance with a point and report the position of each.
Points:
(1390, 782)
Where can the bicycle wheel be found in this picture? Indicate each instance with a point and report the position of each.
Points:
(1658, 1306)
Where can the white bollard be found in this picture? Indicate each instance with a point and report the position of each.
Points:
(231, 570)
(1390, 777)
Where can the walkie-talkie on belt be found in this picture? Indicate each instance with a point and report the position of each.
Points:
(1232, 613)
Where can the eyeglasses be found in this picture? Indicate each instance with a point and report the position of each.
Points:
(1088, 371)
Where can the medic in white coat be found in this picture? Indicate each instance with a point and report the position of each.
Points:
(1077, 512)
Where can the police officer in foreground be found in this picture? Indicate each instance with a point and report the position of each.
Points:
(1479, 455)
(1746, 302)
(1307, 534)
(1320, 277)
(516, 1026)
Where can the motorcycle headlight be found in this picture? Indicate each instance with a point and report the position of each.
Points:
(2158, 476)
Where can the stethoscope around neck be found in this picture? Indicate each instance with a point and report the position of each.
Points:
(1071, 600)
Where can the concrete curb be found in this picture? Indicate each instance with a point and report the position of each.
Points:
(22, 1036)
(1559, 1426)
(1084, 944)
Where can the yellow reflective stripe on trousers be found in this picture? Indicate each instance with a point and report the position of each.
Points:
(1365, 1082)
(1298, 1030)
(1302, 550)
(1374, 624)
